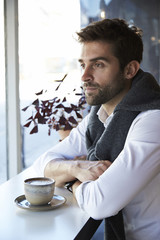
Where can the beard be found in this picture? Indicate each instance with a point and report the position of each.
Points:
(104, 93)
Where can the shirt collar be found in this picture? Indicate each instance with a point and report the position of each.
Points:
(103, 117)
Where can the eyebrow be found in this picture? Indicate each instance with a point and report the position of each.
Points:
(95, 59)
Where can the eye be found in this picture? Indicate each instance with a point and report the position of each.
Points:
(82, 65)
(98, 65)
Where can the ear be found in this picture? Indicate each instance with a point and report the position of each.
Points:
(131, 69)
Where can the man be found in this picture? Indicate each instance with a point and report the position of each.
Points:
(120, 180)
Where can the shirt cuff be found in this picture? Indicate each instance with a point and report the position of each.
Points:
(79, 193)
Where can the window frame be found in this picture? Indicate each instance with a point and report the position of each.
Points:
(13, 129)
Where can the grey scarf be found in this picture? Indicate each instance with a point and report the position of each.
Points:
(106, 144)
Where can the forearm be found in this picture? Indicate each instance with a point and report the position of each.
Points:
(61, 170)
(66, 149)
(68, 170)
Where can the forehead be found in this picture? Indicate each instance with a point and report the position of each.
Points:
(95, 49)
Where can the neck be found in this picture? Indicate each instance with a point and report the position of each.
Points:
(110, 105)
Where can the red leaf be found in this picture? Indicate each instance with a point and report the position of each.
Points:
(62, 120)
(30, 118)
(57, 101)
(42, 120)
(59, 106)
(67, 109)
(27, 124)
(45, 102)
(24, 109)
(64, 99)
(72, 120)
(73, 106)
(34, 130)
(36, 102)
(68, 127)
(38, 115)
(78, 115)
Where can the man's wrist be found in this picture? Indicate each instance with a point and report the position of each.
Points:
(74, 186)
(68, 185)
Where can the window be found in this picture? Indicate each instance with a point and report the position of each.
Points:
(143, 14)
(3, 161)
(47, 51)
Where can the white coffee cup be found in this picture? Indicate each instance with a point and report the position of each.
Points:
(39, 190)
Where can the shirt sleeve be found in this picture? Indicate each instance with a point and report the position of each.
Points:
(135, 167)
(72, 146)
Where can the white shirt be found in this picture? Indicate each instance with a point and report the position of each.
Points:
(131, 183)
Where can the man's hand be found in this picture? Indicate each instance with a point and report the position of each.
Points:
(90, 170)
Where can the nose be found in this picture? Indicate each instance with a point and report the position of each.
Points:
(86, 75)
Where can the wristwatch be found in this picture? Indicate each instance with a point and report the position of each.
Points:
(68, 185)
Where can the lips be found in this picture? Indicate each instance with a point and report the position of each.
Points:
(89, 86)
(89, 89)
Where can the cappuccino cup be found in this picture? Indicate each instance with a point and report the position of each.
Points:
(39, 190)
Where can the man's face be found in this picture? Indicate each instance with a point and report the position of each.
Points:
(101, 75)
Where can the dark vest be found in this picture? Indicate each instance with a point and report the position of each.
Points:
(106, 144)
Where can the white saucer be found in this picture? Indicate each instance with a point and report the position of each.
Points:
(56, 201)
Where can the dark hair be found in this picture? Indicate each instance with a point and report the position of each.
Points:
(126, 40)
